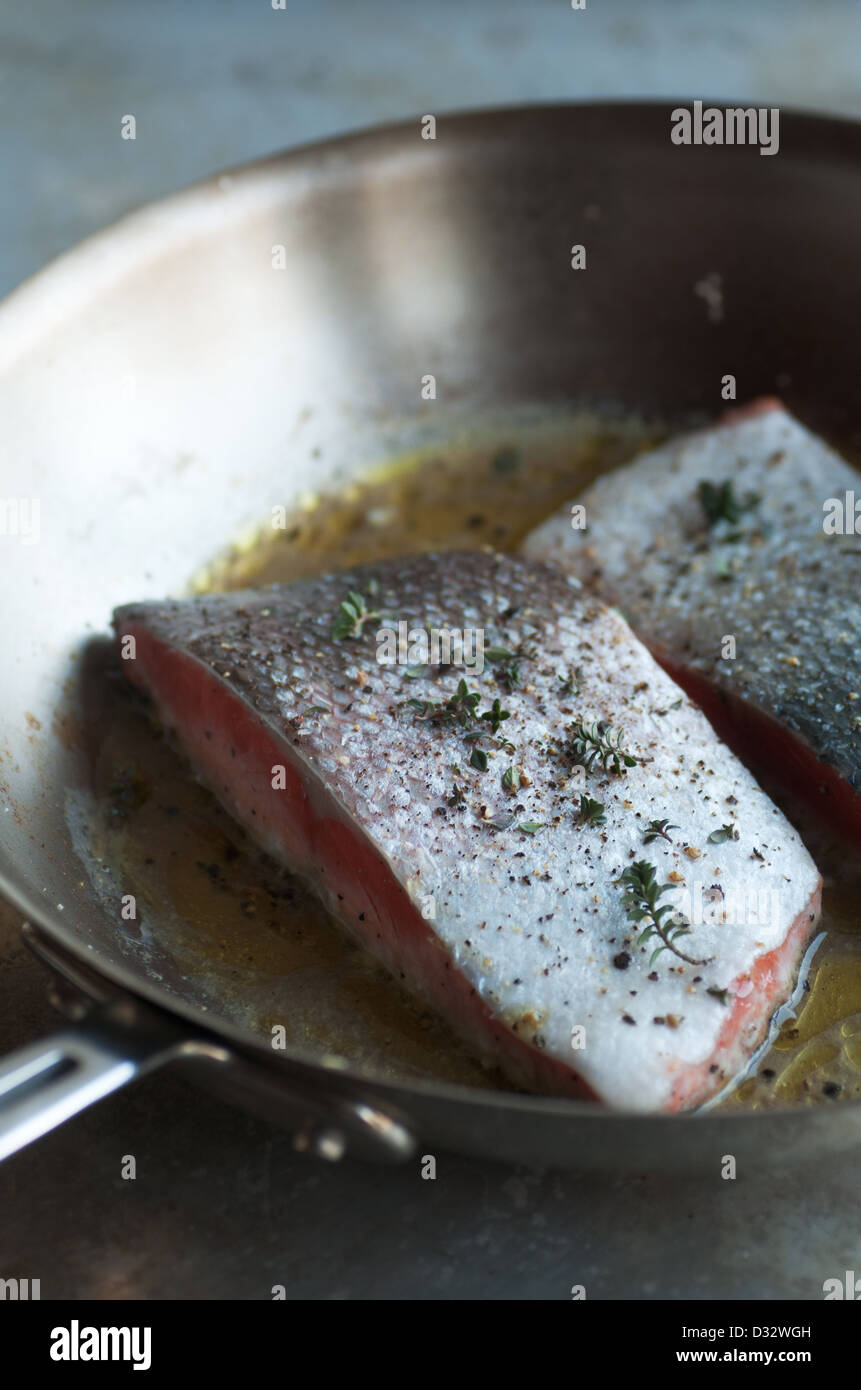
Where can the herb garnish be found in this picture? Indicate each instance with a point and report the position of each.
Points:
(597, 743)
(657, 828)
(506, 459)
(591, 812)
(570, 684)
(459, 708)
(353, 613)
(458, 797)
(511, 779)
(642, 892)
(530, 827)
(726, 832)
(482, 736)
(719, 502)
(495, 715)
(507, 664)
(723, 996)
(677, 704)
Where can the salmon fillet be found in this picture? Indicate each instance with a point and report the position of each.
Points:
(466, 852)
(730, 532)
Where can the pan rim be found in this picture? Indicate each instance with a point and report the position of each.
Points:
(46, 298)
(30, 302)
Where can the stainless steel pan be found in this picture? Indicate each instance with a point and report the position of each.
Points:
(165, 384)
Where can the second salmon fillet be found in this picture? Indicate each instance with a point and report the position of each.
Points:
(733, 554)
(556, 852)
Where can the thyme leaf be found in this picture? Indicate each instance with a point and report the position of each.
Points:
(506, 459)
(719, 503)
(677, 704)
(495, 715)
(723, 996)
(591, 812)
(726, 832)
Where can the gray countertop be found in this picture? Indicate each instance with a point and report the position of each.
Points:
(222, 1207)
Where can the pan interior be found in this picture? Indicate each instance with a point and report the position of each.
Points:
(265, 341)
(255, 943)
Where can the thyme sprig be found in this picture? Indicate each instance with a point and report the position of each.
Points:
(598, 743)
(570, 684)
(459, 709)
(641, 901)
(506, 664)
(495, 715)
(657, 829)
(484, 736)
(353, 612)
(719, 502)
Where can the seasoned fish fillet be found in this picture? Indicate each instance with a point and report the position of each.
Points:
(501, 866)
(734, 533)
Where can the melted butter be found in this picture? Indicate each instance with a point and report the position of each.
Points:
(807, 1066)
(815, 1056)
(256, 943)
(475, 493)
(834, 994)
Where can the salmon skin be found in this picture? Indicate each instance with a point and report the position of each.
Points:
(744, 531)
(457, 847)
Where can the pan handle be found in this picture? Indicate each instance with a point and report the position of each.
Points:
(110, 1042)
(49, 1081)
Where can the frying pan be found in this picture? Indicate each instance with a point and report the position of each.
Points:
(165, 384)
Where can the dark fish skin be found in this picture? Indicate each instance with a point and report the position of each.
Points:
(496, 903)
(788, 592)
